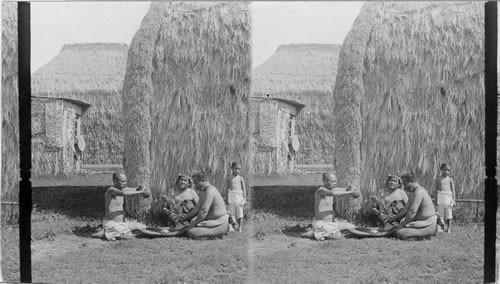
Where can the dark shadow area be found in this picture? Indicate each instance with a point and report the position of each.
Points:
(297, 230)
(72, 201)
(286, 201)
(86, 231)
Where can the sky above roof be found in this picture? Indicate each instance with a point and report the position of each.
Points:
(54, 24)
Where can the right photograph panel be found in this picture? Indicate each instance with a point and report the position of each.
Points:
(367, 145)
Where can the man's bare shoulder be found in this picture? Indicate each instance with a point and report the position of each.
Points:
(321, 189)
(420, 190)
(111, 189)
(211, 190)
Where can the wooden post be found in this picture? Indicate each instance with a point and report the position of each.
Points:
(24, 60)
(490, 126)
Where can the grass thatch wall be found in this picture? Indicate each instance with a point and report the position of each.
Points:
(410, 84)
(304, 73)
(53, 136)
(186, 94)
(93, 73)
(10, 115)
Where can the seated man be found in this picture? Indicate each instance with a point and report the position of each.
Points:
(324, 224)
(114, 224)
(418, 217)
(211, 214)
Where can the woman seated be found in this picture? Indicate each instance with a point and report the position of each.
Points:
(389, 201)
(179, 201)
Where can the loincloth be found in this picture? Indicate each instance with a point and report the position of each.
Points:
(113, 229)
(322, 229)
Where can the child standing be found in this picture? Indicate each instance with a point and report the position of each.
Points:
(236, 196)
(445, 199)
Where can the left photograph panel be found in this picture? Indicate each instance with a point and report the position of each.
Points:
(139, 136)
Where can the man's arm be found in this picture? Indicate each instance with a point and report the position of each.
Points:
(191, 213)
(402, 213)
(195, 196)
(341, 191)
(205, 204)
(127, 191)
(415, 203)
(404, 196)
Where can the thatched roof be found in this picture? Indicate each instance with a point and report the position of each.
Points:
(186, 93)
(10, 112)
(92, 73)
(410, 83)
(82, 67)
(297, 68)
(304, 73)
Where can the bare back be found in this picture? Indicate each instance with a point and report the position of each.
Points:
(426, 207)
(213, 197)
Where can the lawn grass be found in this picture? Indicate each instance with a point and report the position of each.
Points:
(164, 260)
(279, 254)
(269, 250)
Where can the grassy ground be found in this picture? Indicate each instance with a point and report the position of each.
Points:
(447, 258)
(269, 250)
(65, 215)
(278, 254)
(76, 258)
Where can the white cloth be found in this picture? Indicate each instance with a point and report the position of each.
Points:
(324, 229)
(113, 229)
(445, 198)
(235, 196)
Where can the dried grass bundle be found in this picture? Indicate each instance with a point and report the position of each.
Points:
(410, 83)
(186, 95)
(10, 113)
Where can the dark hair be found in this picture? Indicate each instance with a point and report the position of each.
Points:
(179, 176)
(117, 174)
(234, 164)
(395, 177)
(201, 175)
(445, 165)
(410, 177)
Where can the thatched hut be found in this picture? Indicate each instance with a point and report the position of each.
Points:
(409, 95)
(10, 114)
(92, 73)
(304, 73)
(56, 137)
(186, 94)
(272, 124)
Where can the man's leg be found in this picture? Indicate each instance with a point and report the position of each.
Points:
(99, 235)
(409, 232)
(309, 234)
(209, 228)
(343, 226)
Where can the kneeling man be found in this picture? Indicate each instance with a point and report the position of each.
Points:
(420, 219)
(114, 224)
(211, 214)
(324, 224)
